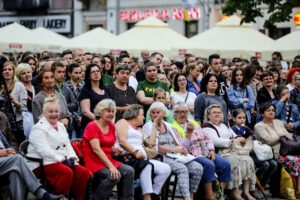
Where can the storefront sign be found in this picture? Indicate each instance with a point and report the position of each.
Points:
(56, 23)
(177, 14)
(115, 52)
(181, 52)
(258, 55)
(297, 18)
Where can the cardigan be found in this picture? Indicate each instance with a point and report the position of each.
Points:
(270, 135)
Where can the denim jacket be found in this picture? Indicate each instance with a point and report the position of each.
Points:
(281, 111)
(6, 145)
(191, 87)
(235, 99)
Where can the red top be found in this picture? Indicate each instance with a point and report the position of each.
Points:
(91, 160)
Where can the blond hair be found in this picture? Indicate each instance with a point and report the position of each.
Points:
(20, 68)
(51, 100)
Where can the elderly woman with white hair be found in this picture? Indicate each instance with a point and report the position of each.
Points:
(131, 138)
(98, 146)
(242, 166)
(192, 137)
(189, 172)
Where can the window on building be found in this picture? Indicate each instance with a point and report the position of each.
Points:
(191, 28)
(92, 26)
(130, 25)
(276, 33)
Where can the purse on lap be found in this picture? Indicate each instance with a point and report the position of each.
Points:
(290, 147)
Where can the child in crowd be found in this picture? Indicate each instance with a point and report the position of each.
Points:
(239, 127)
(160, 96)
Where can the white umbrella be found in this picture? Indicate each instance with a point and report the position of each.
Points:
(47, 40)
(230, 39)
(17, 38)
(150, 34)
(91, 40)
(289, 45)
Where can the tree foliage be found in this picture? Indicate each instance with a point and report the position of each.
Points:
(279, 10)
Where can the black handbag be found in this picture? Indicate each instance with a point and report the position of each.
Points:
(290, 147)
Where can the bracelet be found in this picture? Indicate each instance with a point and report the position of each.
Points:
(135, 152)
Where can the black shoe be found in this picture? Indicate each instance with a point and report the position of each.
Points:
(48, 196)
(154, 196)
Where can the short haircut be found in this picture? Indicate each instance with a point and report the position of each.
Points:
(179, 65)
(213, 56)
(265, 74)
(297, 57)
(265, 106)
(122, 66)
(180, 104)
(295, 75)
(236, 59)
(132, 111)
(208, 111)
(123, 56)
(157, 105)
(87, 53)
(148, 64)
(296, 64)
(155, 53)
(66, 52)
(55, 65)
(20, 68)
(105, 104)
(278, 54)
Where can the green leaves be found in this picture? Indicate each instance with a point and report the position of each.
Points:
(279, 10)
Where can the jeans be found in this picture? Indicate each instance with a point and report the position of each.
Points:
(265, 169)
(221, 166)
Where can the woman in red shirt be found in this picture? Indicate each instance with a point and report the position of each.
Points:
(98, 146)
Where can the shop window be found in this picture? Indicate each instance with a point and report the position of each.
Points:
(191, 28)
(276, 33)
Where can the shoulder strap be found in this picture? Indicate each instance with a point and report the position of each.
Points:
(187, 95)
(209, 125)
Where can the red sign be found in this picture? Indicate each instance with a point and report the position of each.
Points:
(15, 45)
(297, 18)
(115, 52)
(258, 55)
(181, 52)
(178, 13)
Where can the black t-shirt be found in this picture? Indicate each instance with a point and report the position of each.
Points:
(222, 84)
(121, 97)
(94, 98)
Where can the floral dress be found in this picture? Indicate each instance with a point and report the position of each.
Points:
(291, 163)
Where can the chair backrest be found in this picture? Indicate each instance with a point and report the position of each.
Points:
(77, 146)
(23, 148)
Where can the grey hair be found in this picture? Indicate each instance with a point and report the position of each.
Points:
(132, 111)
(20, 68)
(165, 59)
(122, 66)
(105, 104)
(157, 105)
(180, 104)
(208, 111)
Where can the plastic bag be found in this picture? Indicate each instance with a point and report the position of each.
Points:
(27, 123)
(286, 185)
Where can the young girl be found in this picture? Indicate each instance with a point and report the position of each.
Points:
(240, 95)
(239, 127)
(160, 96)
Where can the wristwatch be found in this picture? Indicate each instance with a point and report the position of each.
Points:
(172, 149)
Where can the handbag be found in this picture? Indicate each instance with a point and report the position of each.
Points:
(290, 147)
(262, 151)
(243, 150)
(150, 150)
(181, 158)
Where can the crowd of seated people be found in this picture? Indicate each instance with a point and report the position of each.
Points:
(137, 124)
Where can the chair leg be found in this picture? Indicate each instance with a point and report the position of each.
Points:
(164, 191)
(174, 187)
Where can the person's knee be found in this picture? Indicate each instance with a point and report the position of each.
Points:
(210, 166)
(273, 164)
(67, 173)
(127, 170)
(264, 166)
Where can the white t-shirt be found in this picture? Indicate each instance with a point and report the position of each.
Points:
(190, 100)
(133, 82)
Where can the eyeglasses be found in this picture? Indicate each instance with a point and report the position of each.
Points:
(181, 111)
(95, 72)
(270, 110)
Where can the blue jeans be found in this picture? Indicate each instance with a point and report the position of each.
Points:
(265, 169)
(221, 166)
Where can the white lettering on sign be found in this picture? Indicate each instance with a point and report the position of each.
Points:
(177, 13)
(56, 23)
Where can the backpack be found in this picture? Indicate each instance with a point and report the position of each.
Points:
(77, 146)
